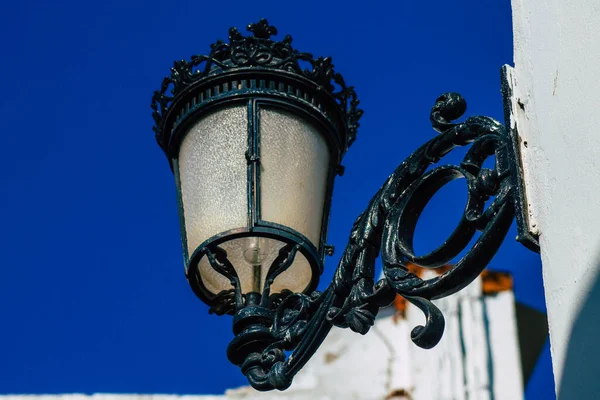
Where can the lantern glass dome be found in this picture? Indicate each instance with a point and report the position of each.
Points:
(228, 198)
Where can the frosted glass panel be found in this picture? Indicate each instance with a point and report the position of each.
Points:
(213, 175)
(296, 278)
(294, 166)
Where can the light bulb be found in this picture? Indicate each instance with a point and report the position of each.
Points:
(256, 250)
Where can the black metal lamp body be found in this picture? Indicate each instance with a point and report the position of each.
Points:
(255, 133)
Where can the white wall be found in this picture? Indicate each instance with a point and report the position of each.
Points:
(477, 359)
(557, 83)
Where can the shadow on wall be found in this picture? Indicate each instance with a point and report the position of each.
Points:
(580, 373)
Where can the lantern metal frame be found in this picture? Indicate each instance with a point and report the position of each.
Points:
(256, 70)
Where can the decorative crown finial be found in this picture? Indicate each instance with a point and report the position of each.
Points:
(256, 50)
(262, 29)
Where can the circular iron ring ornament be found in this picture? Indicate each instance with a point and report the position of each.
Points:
(404, 220)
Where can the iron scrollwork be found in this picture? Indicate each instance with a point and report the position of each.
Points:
(265, 329)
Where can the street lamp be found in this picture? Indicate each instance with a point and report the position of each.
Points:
(255, 133)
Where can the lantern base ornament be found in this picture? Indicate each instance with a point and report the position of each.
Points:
(277, 333)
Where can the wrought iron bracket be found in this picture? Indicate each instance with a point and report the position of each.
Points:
(267, 325)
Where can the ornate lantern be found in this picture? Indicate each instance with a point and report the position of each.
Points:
(255, 142)
(255, 133)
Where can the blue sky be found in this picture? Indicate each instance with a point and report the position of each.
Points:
(92, 292)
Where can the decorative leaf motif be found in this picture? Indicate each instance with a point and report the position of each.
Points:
(217, 257)
(282, 262)
(262, 29)
(225, 303)
(293, 309)
(360, 320)
(277, 298)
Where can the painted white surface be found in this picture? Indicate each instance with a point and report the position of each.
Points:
(518, 118)
(386, 365)
(557, 74)
(478, 357)
(507, 381)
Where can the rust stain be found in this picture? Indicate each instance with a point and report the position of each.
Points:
(399, 394)
(400, 304)
(492, 282)
(331, 357)
(495, 282)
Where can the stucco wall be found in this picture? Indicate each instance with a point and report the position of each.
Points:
(557, 87)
